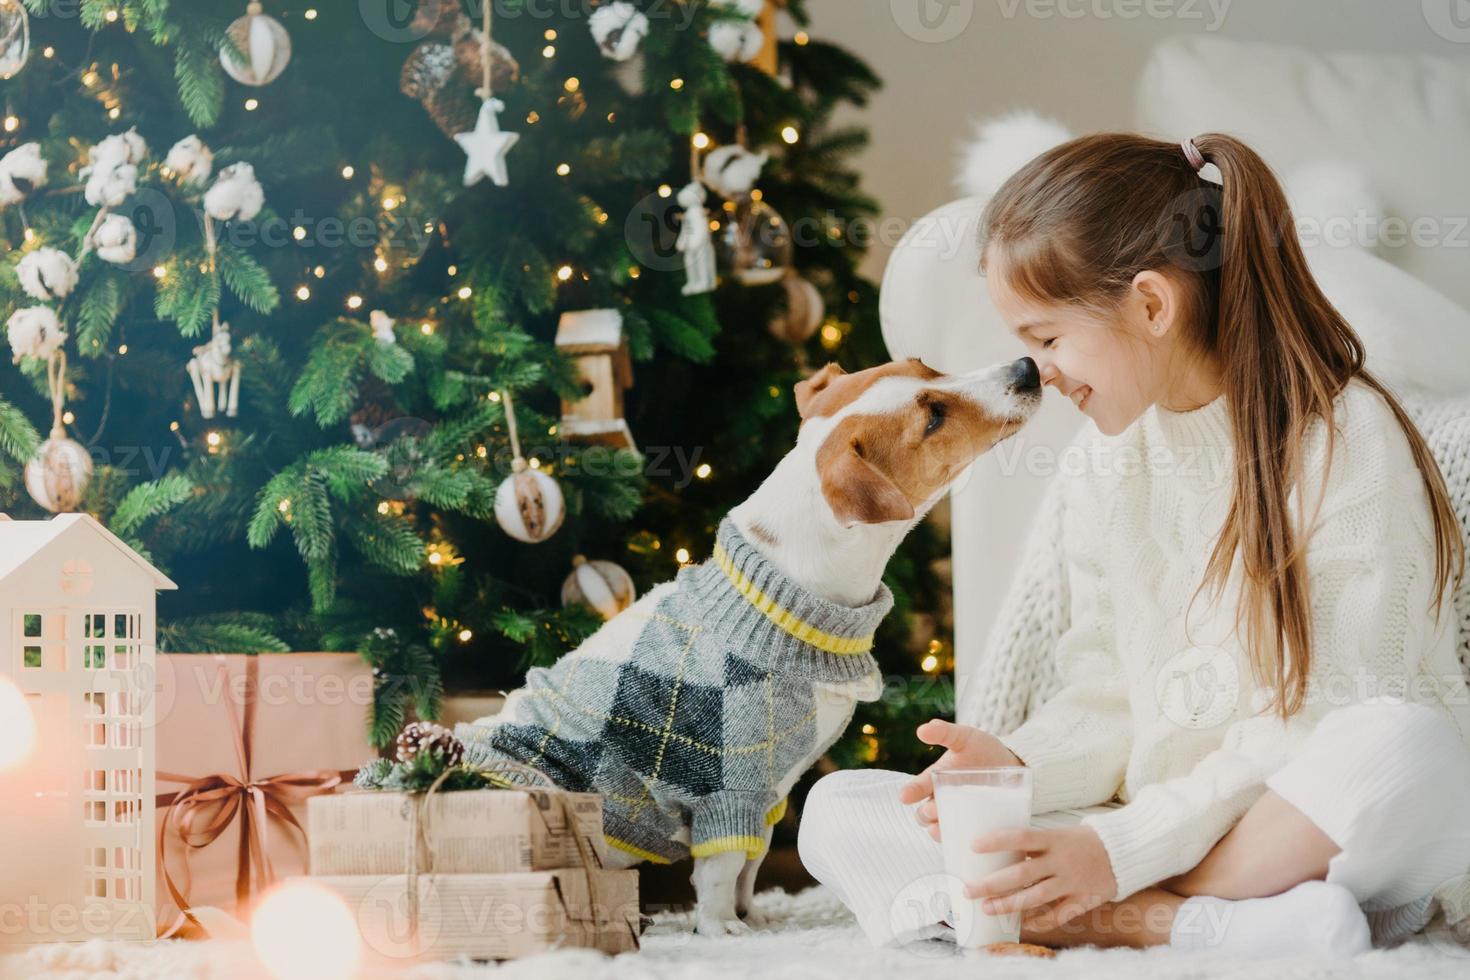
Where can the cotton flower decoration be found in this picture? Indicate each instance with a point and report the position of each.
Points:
(34, 332)
(116, 240)
(235, 194)
(47, 274)
(117, 150)
(22, 170)
(110, 185)
(190, 161)
(735, 41)
(618, 29)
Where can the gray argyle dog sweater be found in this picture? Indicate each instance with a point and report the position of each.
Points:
(711, 707)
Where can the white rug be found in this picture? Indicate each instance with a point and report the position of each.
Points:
(811, 936)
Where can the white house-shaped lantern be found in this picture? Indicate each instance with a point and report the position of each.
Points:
(76, 813)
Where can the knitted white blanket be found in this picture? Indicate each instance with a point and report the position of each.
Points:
(809, 935)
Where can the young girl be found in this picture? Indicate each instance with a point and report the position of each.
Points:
(1310, 788)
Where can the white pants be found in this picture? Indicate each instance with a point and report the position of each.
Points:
(1388, 783)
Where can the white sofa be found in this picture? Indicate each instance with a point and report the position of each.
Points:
(1402, 122)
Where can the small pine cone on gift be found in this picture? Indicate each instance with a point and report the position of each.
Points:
(423, 736)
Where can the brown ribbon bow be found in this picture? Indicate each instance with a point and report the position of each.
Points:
(200, 812)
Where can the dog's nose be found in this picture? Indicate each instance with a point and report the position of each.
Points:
(1024, 375)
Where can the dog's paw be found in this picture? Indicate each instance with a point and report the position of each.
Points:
(711, 925)
(754, 917)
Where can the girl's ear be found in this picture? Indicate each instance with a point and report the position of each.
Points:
(1158, 301)
(809, 389)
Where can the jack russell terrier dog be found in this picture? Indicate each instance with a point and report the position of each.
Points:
(696, 710)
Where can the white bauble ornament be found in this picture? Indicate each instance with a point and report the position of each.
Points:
(15, 38)
(755, 243)
(529, 505)
(602, 585)
(265, 45)
(116, 240)
(57, 476)
(190, 161)
(47, 274)
(235, 194)
(22, 170)
(731, 171)
(803, 311)
(34, 332)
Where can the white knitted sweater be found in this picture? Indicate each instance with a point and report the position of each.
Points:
(1120, 700)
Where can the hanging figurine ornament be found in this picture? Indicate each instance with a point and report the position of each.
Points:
(57, 476)
(695, 241)
(213, 370)
(528, 503)
(487, 144)
(264, 45)
(15, 38)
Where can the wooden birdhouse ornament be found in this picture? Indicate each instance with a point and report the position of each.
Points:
(77, 657)
(594, 339)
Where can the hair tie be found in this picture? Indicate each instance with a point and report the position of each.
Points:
(1193, 155)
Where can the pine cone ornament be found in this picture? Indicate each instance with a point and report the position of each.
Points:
(423, 736)
(444, 74)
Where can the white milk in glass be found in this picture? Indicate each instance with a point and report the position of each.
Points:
(965, 813)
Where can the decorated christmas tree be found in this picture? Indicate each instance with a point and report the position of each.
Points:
(434, 330)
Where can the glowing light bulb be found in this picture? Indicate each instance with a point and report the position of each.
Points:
(159, 272)
(465, 292)
(682, 556)
(790, 135)
(354, 302)
(303, 931)
(465, 636)
(310, 14)
(348, 171)
(303, 293)
(252, 104)
(17, 725)
(929, 663)
(703, 471)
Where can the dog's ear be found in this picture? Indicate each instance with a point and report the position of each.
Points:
(813, 386)
(856, 490)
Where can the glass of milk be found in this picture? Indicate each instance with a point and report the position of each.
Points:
(974, 802)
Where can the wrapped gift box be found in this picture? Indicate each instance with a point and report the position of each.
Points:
(285, 726)
(469, 832)
(496, 916)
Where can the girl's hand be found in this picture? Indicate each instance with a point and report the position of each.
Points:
(1067, 873)
(968, 748)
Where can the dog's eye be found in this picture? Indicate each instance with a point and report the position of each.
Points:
(936, 417)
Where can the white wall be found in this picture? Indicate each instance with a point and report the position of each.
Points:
(1076, 60)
